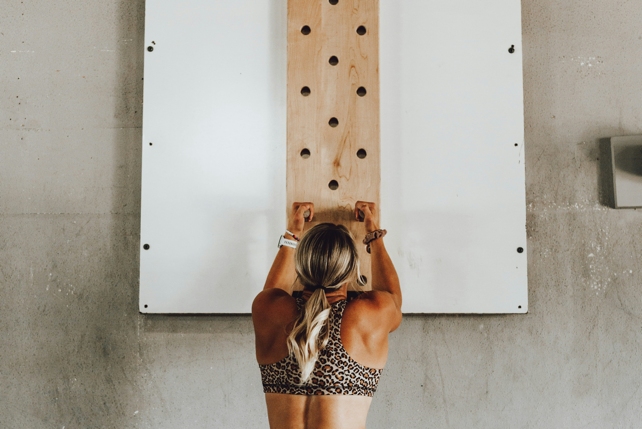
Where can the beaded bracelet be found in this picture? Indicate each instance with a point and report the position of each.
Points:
(371, 236)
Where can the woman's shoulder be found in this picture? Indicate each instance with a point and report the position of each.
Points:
(374, 308)
(269, 297)
(372, 298)
(274, 303)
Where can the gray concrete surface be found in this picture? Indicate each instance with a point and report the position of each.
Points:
(75, 353)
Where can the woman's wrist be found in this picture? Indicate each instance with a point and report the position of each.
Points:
(373, 236)
(371, 228)
(292, 234)
(375, 243)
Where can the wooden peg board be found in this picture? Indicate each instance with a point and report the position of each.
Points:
(333, 75)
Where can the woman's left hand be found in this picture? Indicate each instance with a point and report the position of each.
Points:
(301, 213)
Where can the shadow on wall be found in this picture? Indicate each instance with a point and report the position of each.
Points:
(629, 159)
(198, 324)
(126, 184)
(115, 321)
(605, 174)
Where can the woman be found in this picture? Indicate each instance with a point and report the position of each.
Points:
(321, 355)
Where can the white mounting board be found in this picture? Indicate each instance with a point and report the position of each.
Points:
(213, 185)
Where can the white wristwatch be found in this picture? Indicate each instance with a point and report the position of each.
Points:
(285, 242)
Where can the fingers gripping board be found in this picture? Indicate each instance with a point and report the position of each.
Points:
(333, 110)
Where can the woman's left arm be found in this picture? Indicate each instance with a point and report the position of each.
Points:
(282, 274)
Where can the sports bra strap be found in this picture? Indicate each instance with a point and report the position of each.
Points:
(336, 317)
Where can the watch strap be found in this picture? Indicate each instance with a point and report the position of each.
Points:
(285, 242)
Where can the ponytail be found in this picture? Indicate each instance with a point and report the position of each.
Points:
(325, 259)
(310, 333)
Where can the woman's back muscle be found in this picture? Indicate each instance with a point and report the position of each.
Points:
(367, 321)
(317, 412)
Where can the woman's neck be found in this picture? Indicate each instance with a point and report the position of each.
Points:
(331, 295)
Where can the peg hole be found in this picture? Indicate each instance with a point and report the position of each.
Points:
(334, 185)
(334, 2)
(519, 306)
(305, 30)
(150, 48)
(333, 122)
(146, 246)
(511, 49)
(361, 153)
(520, 250)
(361, 91)
(361, 30)
(305, 91)
(145, 305)
(305, 153)
(150, 143)
(333, 60)
(363, 280)
(516, 144)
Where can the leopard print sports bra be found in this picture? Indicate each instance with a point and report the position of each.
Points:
(335, 372)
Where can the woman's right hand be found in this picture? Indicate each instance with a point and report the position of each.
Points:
(298, 217)
(369, 217)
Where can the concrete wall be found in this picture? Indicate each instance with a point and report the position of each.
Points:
(75, 353)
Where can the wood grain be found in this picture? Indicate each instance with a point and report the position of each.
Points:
(333, 94)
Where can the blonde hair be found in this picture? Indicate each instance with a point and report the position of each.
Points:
(325, 259)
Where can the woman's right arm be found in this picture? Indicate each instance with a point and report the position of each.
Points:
(282, 274)
(384, 276)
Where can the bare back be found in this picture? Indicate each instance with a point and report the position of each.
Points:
(365, 326)
(317, 412)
